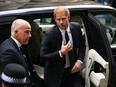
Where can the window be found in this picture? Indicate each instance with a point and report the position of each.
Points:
(109, 22)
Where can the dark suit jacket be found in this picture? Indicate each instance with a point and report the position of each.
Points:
(9, 53)
(49, 53)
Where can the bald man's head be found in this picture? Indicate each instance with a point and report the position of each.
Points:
(17, 24)
(20, 30)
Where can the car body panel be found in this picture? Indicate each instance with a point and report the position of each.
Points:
(94, 32)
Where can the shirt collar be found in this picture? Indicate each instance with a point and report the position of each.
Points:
(68, 29)
(16, 41)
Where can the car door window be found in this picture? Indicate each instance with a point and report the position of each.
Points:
(45, 23)
(109, 22)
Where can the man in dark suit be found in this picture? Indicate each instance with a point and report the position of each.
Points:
(63, 58)
(10, 51)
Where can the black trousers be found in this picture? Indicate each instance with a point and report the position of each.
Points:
(70, 80)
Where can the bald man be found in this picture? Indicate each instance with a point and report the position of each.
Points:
(10, 49)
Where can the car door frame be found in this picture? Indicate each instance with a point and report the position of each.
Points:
(106, 50)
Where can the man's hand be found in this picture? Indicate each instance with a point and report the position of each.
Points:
(76, 67)
(65, 48)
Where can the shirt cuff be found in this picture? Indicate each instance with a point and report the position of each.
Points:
(80, 61)
(60, 54)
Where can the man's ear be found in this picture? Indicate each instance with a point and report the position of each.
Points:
(16, 31)
(69, 17)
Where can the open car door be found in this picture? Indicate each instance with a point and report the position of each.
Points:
(99, 62)
(98, 79)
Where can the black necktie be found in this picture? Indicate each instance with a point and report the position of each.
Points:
(66, 37)
(70, 52)
(22, 52)
(25, 58)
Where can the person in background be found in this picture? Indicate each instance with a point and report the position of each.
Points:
(99, 1)
(11, 50)
(14, 75)
(113, 4)
(62, 51)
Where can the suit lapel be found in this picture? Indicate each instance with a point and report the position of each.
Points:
(21, 57)
(15, 47)
(14, 44)
(73, 35)
(58, 36)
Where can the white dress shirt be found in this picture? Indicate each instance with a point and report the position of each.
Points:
(70, 38)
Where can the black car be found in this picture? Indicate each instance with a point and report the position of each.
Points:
(98, 24)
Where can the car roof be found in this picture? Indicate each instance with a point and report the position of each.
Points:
(49, 8)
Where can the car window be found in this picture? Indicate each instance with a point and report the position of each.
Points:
(109, 22)
(44, 23)
(47, 23)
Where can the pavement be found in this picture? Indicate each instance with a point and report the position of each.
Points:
(16, 4)
(41, 3)
(12, 4)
